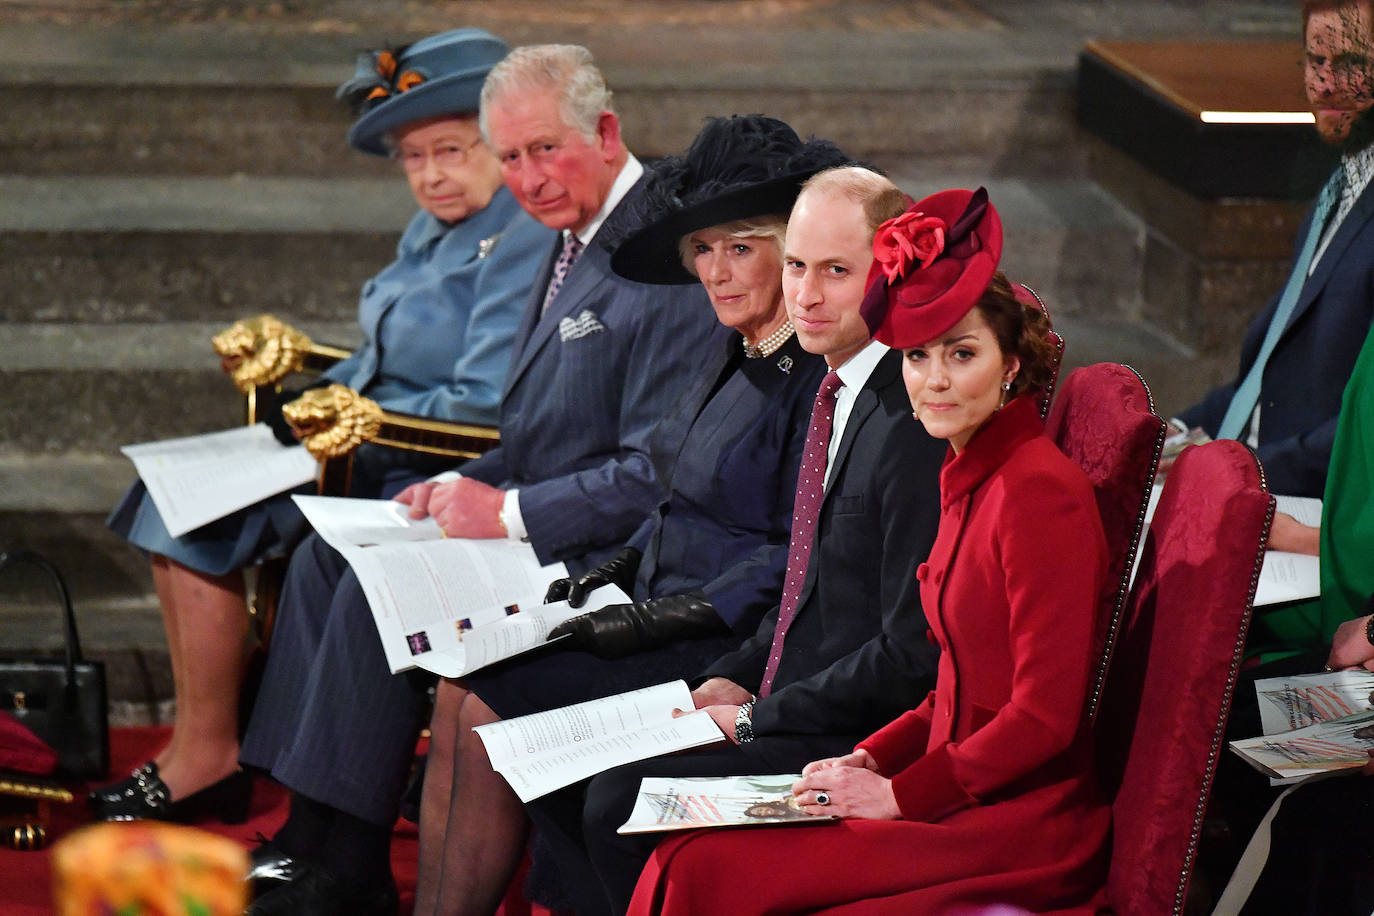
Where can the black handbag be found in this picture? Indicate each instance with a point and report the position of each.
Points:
(62, 701)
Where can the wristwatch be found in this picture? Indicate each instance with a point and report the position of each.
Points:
(744, 723)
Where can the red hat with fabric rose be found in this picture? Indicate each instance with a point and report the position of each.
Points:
(931, 264)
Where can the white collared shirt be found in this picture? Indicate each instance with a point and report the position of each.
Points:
(854, 374)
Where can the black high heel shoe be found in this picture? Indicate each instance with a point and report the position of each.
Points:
(150, 799)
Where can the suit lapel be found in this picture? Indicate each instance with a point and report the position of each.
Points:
(1351, 226)
(864, 404)
(592, 267)
(530, 319)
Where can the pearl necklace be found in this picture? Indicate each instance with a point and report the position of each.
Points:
(769, 344)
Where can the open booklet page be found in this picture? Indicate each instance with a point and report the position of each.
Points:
(1284, 576)
(1298, 701)
(450, 605)
(549, 750)
(1335, 744)
(688, 802)
(197, 479)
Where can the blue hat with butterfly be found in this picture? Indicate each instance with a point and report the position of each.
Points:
(436, 76)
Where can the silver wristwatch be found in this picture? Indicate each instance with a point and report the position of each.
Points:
(744, 723)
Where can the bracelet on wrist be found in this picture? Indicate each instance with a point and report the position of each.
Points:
(1369, 629)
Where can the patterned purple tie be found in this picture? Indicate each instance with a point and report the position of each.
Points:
(572, 247)
(805, 511)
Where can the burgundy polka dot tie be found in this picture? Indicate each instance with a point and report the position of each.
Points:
(805, 511)
(571, 249)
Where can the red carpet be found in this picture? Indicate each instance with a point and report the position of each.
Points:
(26, 877)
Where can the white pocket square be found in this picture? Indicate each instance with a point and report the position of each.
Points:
(584, 324)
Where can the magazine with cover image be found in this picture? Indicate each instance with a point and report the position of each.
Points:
(690, 802)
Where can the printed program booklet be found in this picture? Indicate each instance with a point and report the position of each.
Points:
(195, 480)
(1313, 723)
(690, 802)
(545, 751)
(448, 605)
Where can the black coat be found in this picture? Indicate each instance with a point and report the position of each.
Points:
(857, 655)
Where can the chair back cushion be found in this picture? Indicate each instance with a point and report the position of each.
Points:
(1178, 649)
(1104, 419)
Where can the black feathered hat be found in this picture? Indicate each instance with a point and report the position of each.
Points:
(737, 168)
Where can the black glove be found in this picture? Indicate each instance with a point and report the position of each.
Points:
(624, 629)
(619, 571)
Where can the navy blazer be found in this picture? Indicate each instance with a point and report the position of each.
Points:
(590, 381)
(725, 528)
(1300, 393)
(857, 655)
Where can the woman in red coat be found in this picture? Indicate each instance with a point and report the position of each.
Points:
(982, 799)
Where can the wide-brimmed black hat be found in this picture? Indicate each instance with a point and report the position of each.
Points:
(739, 167)
(435, 76)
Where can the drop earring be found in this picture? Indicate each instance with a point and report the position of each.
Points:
(1006, 390)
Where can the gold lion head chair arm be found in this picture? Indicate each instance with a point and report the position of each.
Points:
(333, 421)
(260, 351)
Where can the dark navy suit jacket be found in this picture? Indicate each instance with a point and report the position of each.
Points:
(589, 382)
(857, 654)
(1300, 393)
(725, 528)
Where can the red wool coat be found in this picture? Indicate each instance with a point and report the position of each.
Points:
(993, 773)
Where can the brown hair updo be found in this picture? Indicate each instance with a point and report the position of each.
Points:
(1022, 331)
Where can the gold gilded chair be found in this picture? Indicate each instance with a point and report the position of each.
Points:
(258, 354)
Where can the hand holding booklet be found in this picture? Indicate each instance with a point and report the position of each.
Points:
(1284, 576)
(448, 605)
(549, 750)
(690, 802)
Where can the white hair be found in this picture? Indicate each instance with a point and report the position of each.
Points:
(567, 70)
(772, 227)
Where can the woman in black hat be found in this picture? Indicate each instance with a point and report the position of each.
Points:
(702, 571)
(437, 324)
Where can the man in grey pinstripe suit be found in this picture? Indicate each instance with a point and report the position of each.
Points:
(598, 361)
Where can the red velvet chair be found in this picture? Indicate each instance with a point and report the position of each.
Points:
(1178, 649)
(1104, 419)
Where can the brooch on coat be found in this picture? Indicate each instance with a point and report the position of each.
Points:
(486, 245)
(785, 365)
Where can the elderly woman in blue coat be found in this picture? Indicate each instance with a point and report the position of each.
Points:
(437, 324)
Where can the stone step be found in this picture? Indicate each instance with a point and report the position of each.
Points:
(164, 249)
(121, 101)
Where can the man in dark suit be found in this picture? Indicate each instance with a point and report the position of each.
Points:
(855, 654)
(596, 363)
(1297, 354)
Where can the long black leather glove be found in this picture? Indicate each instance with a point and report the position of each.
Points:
(619, 571)
(624, 629)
